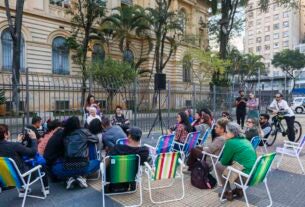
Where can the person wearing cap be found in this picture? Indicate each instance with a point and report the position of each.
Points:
(241, 108)
(133, 145)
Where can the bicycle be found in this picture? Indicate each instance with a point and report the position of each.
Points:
(278, 127)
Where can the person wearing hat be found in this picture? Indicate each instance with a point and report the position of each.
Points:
(133, 145)
(241, 108)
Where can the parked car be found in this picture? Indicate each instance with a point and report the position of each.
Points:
(298, 105)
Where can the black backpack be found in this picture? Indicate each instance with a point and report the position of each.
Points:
(201, 177)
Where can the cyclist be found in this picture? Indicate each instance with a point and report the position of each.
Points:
(280, 105)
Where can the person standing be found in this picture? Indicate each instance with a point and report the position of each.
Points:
(280, 105)
(241, 104)
(252, 105)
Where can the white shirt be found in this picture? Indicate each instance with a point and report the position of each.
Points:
(90, 118)
(282, 105)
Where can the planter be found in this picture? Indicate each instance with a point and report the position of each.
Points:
(2, 110)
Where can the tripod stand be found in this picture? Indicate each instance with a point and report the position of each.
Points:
(158, 117)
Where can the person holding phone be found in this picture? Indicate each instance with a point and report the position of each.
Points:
(241, 108)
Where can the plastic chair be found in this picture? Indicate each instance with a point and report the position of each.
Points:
(165, 168)
(292, 149)
(257, 175)
(121, 169)
(10, 176)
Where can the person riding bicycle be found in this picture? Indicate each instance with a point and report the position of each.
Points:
(279, 105)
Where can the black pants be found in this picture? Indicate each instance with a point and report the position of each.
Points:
(290, 127)
(240, 116)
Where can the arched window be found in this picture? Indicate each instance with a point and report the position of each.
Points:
(7, 51)
(186, 69)
(98, 53)
(60, 56)
(128, 56)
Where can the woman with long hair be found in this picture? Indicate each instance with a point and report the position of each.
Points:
(183, 127)
(197, 119)
(91, 102)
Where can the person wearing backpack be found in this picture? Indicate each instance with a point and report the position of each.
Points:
(76, 163)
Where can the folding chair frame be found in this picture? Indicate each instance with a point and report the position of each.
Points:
(244, 185)
(149, 171)
(138, 180)
(28, 183)
(182, 146)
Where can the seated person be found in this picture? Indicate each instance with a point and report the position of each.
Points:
(53, 126)
(265, 125)
(111, 134)
(36, 127)
(119, 119)
(92, 115)
(226, 115)
(239, 149)
(182, 128)
(95, 127)
(197, 120)
(189, 114)
(16, 151)
(212, 148)
(132, 147)
(252, 128)
(76, 163)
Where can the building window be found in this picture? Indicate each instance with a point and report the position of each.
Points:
(286, 14)
(251, 41)
(267, 47)
(285, 43)
(285, 34)
(60, 56)
(250, 6)
(276, 26)
(276, 35)
(286, 24)
(186, 69)
(258, 40)
(98, 53)
(250, 49)
(250, 14)
(250, 33)
(267, 38)
(275, 6)
(259, 31)
(276, 17)
(61, 3)
(7, 51)
(276, 45)
(258, 48)
(128, 56)
(250, 24)
(258, 22)
(267, 28)
(182, 20)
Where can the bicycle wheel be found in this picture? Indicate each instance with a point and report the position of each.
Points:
(272, 137)
(297, 130)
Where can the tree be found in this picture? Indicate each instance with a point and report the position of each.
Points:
(245, 66)
(128, 23)
(290, 61)
(85, 14)
(113, 76)
(166, 27)
(15, 24)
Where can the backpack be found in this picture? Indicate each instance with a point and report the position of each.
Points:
(201, 177)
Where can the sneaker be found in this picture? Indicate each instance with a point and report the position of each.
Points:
(82, 182)
(227, 195)
(238, 193)
(70, 183)
(22, 192)
(47, 190)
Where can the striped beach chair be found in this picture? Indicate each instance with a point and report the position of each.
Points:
(291, 149)
(257, 175)
(190, 142)
(10, 176)
(165, 168)
(121, 169)
(164, 144)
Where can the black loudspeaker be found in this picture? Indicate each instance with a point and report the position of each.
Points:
(160, 81)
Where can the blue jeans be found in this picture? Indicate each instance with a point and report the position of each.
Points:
(59, 171)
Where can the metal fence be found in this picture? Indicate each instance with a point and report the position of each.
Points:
(58, 97)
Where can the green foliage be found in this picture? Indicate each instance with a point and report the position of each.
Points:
(208, 62)
(112, 74)
(289, 61)
(2, 97)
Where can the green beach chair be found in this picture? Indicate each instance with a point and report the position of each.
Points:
(257, 175)
(120, 169)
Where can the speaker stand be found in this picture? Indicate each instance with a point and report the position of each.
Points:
(158, 117)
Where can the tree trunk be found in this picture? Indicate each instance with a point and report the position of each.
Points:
(84, 69)
(224, 28)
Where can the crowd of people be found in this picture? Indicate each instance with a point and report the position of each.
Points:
(66, 146)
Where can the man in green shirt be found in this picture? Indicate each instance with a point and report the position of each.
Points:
(238, 149)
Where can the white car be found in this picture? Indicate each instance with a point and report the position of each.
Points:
(298, 105)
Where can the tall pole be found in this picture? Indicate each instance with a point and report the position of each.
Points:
(259, 87)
